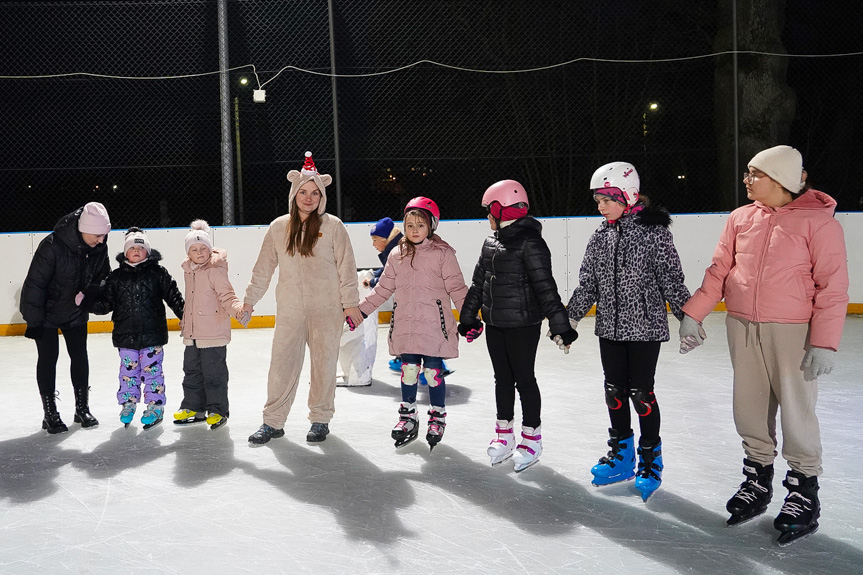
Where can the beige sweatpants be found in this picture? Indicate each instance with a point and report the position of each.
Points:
(766, 358)
(321, 331)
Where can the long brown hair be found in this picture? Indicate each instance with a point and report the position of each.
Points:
(302, 236)
(406, 248)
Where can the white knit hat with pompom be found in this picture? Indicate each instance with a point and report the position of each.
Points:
(200, 234)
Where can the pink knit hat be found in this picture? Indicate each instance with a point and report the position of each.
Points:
(94, 220)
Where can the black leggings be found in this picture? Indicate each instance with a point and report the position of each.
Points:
(513, 357)
(48, 347)
(631, 365)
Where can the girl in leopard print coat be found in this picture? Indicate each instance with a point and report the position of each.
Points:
(630, 270)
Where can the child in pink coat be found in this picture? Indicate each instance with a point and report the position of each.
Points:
(424, 275)
(206, 330)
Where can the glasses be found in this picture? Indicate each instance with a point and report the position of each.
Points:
(751, 178)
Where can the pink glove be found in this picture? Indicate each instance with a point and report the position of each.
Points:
(79, 297)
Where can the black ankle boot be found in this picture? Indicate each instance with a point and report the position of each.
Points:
(52, 422)
(82, 408)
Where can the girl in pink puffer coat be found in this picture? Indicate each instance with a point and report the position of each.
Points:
(424, 275)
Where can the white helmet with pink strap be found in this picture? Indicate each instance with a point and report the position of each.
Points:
(617, 180)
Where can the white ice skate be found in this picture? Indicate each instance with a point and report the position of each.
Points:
(502, 447)
(529, 449)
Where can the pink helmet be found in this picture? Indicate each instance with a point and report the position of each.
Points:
(428, 205)
(506, 193)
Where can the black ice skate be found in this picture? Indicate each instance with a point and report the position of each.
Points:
(407, 428)
(798, 517)
(437, 425)
(753, 495)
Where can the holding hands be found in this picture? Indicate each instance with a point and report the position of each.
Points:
(564, 340)
(470, 330)
(691, 333)
(354, 317)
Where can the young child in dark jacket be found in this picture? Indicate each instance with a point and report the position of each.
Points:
(134, 292)
(514, 287)
(630, 269)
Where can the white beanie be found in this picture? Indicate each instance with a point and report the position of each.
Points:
(200, 234)
(783, 164)
(309, 172)
(136, 237)
(94, 220)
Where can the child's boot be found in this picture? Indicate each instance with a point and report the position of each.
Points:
(649, 475)
(437, 425)
(152, 416)
(529, 448)
(407, 428)
(127, 414)
(619, 463)
(216, 420)
(502, 447)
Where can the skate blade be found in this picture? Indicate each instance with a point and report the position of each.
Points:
(734, 521)
(126, 425)
(504, 460)
(219, 424)
(790, 537)
(520, 468)
(615, 482)
(154, 424)
(189, 421)
(405, 441)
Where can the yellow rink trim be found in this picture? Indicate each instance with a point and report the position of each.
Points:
(384, 317)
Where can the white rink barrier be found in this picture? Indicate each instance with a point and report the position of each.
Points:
(695, 236)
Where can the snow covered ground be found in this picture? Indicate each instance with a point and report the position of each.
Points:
(191, 500)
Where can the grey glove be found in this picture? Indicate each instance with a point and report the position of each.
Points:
(691, 334)
(817, 361)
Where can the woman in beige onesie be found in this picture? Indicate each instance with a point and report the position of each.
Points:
(316, 291)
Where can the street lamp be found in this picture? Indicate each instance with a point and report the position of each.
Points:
(651, 107)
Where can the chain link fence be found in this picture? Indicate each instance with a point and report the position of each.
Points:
(640, 86)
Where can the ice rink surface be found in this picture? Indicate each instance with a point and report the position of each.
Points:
(189, 500)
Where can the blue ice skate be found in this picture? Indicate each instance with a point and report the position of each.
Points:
(152, 416)
(649, 476)
(619, 463)
(127, 414)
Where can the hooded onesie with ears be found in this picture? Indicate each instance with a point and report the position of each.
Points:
(311, 294)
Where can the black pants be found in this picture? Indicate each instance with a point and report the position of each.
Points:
(513, 357)
(205, 380)
(631, 365)
(48, 347)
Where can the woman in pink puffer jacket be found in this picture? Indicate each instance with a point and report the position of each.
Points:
(424, 275)
(782, 269)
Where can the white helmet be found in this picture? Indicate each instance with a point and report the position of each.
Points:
(619, 175)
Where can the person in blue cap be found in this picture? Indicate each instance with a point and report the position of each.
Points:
(385, 236)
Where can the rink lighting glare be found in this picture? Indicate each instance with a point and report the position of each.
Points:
(244, 81)
(115, 186)
(681, 177)
(653, 105)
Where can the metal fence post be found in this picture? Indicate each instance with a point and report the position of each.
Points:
(338, 177)
(225, 106)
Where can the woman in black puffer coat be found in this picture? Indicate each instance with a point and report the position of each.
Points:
(70, 262)
(513, 286)
(134, 292)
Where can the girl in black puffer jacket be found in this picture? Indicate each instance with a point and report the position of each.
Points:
(70, 262)
(513, 286)
(135, 292)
